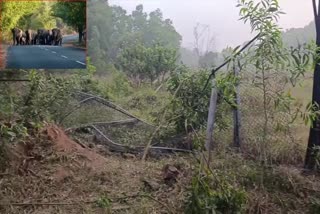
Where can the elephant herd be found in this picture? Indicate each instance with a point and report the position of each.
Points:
(39, 37)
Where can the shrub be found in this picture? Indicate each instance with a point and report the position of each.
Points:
(191, 102)
(213, 193)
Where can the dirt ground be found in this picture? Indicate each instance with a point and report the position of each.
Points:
(3, 49)
(51, 173)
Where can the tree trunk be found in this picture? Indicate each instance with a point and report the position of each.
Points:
(314, 135)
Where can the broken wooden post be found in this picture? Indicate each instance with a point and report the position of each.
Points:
(236, 111)
(211, 118)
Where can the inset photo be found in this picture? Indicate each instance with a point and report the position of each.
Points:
(43, 34)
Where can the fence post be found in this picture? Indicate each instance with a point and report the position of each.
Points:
(211, 118)
(236, 112)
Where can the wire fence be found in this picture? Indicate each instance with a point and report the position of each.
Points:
(262, 120)
(115, 123)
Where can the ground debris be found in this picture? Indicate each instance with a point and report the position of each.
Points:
(170, 174)
(151, 184)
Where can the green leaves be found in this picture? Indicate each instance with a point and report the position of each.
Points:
(13, 13)
(72, 13)
(118, 30)
(11, 131)
(214, 193)
(311, 113)
(150, 63)
(260, 15)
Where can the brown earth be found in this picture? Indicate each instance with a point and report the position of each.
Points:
(51, 173)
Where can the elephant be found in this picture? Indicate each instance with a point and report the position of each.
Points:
(30, 37)
(48, 36)
(40, 37)
(35, 39)
(23, 39)
(44, 37)
(56, 36)
(84, 34)
(16, 35)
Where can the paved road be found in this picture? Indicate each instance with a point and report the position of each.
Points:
(45, 56)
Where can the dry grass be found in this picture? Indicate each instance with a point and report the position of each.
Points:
(270, 189)
(56, 169)
(64, 177)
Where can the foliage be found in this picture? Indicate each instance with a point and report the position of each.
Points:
(117, 86)
(72, 13)
(10, 17)
(191, 105)
(12, 131)
(213, 193)
(111, 29)
(141, 62)
(45, 98)
(104, 202)
(190, 108)
(40, 18)
(275, 68)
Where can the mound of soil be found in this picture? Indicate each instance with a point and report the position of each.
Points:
(50, 173)
(62, 143)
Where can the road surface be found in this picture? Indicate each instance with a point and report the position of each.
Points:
(46, 56)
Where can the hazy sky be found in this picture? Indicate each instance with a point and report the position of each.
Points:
(221, 15)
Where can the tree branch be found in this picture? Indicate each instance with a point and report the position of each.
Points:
(315, 11)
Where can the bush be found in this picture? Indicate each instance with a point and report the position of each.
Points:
(191, 102)
(213, 193)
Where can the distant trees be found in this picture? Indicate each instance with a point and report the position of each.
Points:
(117, 30)
(295, 36)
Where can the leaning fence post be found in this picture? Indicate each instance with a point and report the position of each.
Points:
(211, 118)
(236, 111)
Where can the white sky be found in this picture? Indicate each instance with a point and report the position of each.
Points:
(221, 15)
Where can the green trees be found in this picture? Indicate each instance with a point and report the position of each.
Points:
(72, 13)
(12, 12)
(118, 30)
(152, 63)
